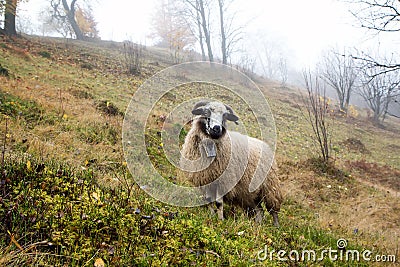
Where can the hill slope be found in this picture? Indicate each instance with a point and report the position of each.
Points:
(67, 197)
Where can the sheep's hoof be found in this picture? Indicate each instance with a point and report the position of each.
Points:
(212, 211)
(259, 216)
(275, 219)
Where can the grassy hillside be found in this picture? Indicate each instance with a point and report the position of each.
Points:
(67, 198)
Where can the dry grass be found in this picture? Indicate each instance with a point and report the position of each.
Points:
(362, 204)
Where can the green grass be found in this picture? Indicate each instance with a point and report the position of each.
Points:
(77, 221)
(27, 112)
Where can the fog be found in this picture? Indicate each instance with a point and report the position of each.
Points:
(296, 33)
(302, 29)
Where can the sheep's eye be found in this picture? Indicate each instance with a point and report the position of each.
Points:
(207, 113)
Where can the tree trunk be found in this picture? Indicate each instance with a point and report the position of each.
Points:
(70, 11)
(223, 37)
(206, 31)
(203, 53)
(9, 17)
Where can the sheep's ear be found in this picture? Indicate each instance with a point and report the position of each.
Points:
(200, 104)
(231, 117)
(198, 111)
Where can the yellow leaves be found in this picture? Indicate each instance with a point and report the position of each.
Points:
(86, 22)
(29, 166)
(352, 112)
(96, 196)
(99, 263)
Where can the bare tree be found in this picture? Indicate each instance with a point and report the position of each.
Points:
(230, 34)
(190, 12)
(9, 7)
(197, 16)
(247, 64)
(172, 29)
(339, 71)
(378, 16)
(317, 107)
(271, 54)
(283, 71)
(199, 30)
(50, 24)
(379, 90)
(221, 4)
(65, 13)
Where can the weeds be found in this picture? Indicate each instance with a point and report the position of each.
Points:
(133, 56)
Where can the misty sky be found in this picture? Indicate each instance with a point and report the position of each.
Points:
(302, 29)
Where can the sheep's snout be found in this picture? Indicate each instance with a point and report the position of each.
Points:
(216, 131)
(215, 126)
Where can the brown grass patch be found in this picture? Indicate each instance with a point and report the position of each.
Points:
(355, 145)
(356, 210)
(375, 173)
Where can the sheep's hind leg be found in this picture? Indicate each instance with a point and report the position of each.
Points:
(211, 209)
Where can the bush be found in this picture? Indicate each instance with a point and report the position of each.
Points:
(133, 55)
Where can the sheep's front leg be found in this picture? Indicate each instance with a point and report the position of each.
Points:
(275, 218)
(259, 215)
(220, 208)
(211, 194)
(219, 201)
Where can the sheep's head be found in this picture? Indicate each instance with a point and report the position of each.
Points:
(213, 117)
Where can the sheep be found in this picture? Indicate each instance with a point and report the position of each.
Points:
(211, 151)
